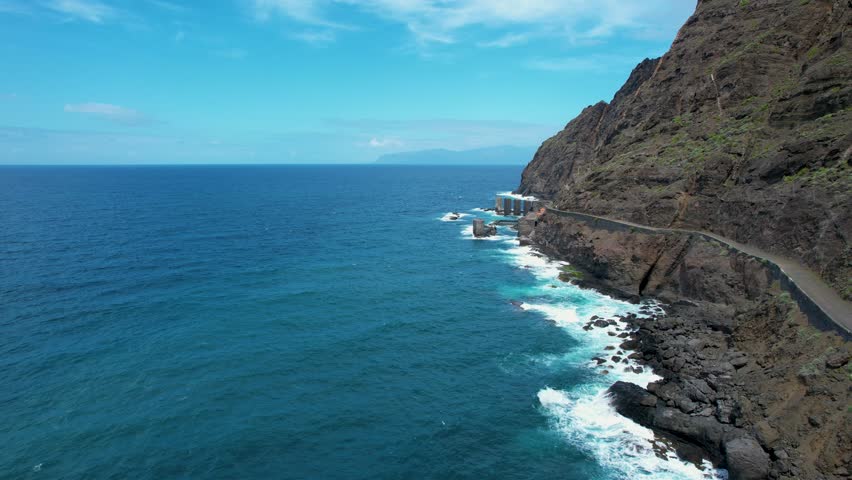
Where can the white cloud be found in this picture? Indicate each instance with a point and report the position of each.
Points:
(43, 146)
(314, 37)
(113, 113)
(305, 11)
(457, 134)
(86, 10)
(170, 6)
(347, 142)
(508, 40)
(441, 21)
(384, 143)
(92, 11)
(591, 63)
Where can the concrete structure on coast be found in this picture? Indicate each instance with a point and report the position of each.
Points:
(511, 204)
(481, 229)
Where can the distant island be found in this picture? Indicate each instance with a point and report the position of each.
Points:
(502, 155)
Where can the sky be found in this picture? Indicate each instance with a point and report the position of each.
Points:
(307, 81)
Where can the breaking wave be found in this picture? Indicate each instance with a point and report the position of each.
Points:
(453, 216)
(582, 413)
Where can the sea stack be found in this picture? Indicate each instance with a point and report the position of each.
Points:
(481, 230)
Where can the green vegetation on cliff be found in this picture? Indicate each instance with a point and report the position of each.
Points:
(743, 128)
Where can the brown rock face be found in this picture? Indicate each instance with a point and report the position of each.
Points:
(746, 459)
(744, 128)
(669, 267)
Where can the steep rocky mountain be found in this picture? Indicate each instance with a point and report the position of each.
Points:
(744, 129)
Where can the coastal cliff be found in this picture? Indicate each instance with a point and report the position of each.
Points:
(739, 360)
(743, 129)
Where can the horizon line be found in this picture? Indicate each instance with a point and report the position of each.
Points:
(377, 164)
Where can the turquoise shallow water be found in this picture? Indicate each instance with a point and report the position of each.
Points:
(293, 322)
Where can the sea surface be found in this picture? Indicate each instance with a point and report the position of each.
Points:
(298, 322)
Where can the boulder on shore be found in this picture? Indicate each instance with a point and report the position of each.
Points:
(697, 436)
(634, 402)
(746, 459)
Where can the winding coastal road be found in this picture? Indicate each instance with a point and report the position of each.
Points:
(805, 285)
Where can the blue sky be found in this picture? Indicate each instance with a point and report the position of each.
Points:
(307, 81)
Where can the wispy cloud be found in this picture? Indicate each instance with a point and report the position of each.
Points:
(444, 21)
(112, 113)
(443, 124)
(85, 10)
(306, 11)
(314, 37)
(98, 12)
(450, 133)
(590, 63)
(384, 142)
(20, 145)
(170, 6)
(508, 40)
(231, 53)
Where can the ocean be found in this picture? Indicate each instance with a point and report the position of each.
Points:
(296, 322)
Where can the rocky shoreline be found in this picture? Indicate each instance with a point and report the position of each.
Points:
(741, 129)
(746, 382)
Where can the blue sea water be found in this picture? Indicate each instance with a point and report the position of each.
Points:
(298, 322)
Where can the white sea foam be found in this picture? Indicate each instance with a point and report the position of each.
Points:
(467, 232)
(588, 420)
(453, 216)
(490, 215)
(571, 308)
(539, 265)
(516, 196)
(583, 414)
(595, 342)
(559, 315)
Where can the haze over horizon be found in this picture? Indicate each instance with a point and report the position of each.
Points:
(307, 81)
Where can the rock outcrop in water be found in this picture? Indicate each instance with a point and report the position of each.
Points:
(744, 128)
(481, 230)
